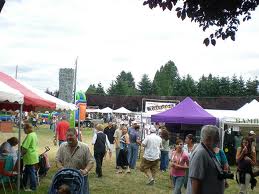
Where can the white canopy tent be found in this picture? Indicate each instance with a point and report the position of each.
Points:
(106, 110)
(93, 110)
(249, 111)
(122, 110)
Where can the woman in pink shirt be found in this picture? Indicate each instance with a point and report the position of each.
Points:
(179, 163)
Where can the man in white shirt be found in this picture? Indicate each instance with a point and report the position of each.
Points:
(150, 161)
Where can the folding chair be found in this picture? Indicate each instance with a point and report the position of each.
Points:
(6, 174)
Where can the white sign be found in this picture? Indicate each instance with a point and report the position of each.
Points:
(157, 107)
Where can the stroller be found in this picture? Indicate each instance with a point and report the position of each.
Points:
(43, 165)
(69, 177)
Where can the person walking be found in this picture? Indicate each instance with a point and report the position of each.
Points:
(134, 137)
(100, 142)
(204, 168)
(150, 161)
(179, 163)
(246, 159)
(75, 154)
(30, 156)
(117, 136)
(109, 131)
(61, 130)
(122, 160)
(164, 150)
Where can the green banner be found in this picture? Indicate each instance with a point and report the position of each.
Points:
(72, 119)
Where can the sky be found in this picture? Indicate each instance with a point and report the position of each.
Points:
(42, 36)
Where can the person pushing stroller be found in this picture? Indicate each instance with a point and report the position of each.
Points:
(76, 155)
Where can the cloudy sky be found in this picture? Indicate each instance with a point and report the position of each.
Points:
(42, 36)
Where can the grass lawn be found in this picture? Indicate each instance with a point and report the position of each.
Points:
(133, 183)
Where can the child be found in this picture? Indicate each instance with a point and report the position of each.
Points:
(64, 189)
(100, 142)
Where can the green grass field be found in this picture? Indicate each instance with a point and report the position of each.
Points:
(110, 183)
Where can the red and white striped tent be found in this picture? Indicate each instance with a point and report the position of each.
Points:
(15, 95)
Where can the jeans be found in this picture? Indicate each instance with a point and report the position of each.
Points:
(178, 183)
(29, 174)
(117, 153)
(164, 160)
(132, 155)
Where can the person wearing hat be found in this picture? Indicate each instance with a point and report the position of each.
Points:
(150, 161)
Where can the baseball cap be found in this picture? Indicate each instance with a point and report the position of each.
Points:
(152, 129)
(252, 133)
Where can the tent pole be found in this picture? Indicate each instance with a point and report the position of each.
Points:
(78, 124)
(19, 151)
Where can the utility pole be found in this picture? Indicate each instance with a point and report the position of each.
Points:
(16, 71)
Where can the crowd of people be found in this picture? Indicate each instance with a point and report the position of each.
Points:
(200, 167)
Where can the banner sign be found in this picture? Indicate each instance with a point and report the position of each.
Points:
(157, 107)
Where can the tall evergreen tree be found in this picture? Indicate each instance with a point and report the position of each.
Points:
(145, 85)
(123, 85)
(100, 90)
(251, 87)
(91, 89)
(188, 86)
(164, 83)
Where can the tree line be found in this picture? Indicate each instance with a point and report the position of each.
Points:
(168, 82)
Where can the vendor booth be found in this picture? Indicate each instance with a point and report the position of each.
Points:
(15, 95)
(186, 117)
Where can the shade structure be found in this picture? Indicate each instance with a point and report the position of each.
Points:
(106, 110)
(249, 110)
(14, 92)
(122, 110)
(186, 112)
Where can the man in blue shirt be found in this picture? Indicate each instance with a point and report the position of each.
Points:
(134, 137)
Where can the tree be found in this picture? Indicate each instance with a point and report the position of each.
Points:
(236, 86)
(224, 86)
(251, 87)
(55, 93)
(123, 85)
(99, 89)
(145, 85)
(222, 15)
(164, 83)
(91, 89)
(187, 86)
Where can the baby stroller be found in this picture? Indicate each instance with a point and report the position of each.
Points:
(43, 165)
(70, 177)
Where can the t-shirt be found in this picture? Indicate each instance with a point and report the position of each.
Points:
(30, 143)
(203, 168)
(110, 133)
(182, 159)
(152, 144)
(221, 157)
(133, 135)
(165, 145)
(61, 130)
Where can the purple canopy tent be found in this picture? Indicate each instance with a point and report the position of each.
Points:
(186, 112)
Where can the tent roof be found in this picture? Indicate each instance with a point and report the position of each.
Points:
(12, 90)
(186, 112)
(106, 110)
(249, 110)
(9, 94)
(122, 110)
